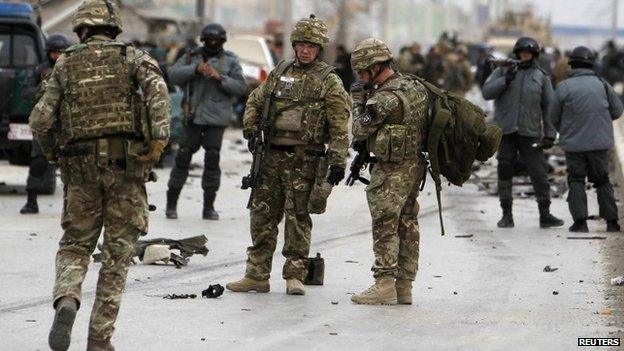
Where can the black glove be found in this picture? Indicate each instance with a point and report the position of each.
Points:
(547, 143)
(510, 74)
(359, 146)
(336, 174)
(251, 141)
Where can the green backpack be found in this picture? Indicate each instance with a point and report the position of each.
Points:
(458, 135)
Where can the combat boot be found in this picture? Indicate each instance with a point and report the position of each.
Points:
(547, 220)
(403, 291)
(507, 220)
(248, 284)
(383, 292)
(294, 287)
(60, 333)
(99, 345)
(579, 226)
(613, 226)
(209, 211)
(172, 203)
(31, 206)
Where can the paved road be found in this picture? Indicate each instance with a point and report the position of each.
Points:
(485, 292)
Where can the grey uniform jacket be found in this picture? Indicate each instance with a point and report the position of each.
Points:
(211, 99)
(523, 106)
(583, 111)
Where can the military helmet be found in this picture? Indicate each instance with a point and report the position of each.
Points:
(582, 54)
(213, 30)
(57, 42)
(369, 52)
(526, 44)
(311, 30)
(100, 13)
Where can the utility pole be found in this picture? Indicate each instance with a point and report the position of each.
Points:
(213, 11)
(614, 20)
(200, 13)
(287, 24)
(343, 21)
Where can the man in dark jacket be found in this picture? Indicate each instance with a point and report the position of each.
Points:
(210, 77)
(583, 111)
(39, 167)
(522, 98)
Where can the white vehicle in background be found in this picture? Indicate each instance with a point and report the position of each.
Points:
(256, 61)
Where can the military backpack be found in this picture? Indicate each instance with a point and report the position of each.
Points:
(458, 135)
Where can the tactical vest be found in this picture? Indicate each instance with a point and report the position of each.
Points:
(298, 110)
(99, 96)
(402, 136)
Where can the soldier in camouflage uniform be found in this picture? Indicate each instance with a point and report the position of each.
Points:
(39, 166)
(310, 109)
(390, 117)
(113, 109)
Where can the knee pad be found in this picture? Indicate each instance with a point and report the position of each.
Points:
(37, 166)
(211, 158)
(505, 169)
(183, 158)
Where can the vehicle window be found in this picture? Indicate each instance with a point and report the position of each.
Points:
(247, 50)
(5, 50)
(24, 50)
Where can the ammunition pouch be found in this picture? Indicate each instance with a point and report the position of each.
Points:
(395, 143)
(81, 162)
(321, 189)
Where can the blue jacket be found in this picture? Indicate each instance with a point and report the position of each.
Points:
(523, 106)
(583, 111)
(210, 99)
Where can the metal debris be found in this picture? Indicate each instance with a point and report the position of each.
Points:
(213, 291)
(548, 269)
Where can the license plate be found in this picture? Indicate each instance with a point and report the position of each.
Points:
(19, 131)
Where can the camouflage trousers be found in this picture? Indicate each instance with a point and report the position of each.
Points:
(119, 205)
(392, 200)
(284, 190)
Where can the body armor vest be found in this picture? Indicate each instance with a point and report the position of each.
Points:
(99, 97)
(402, 135)
(298, 110)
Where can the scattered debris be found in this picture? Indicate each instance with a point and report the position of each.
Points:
(581, 280)
(334, 302)
(464, 236)
(333, 333)
(555, 292)
(203, 339)
(454, 292)
(437, 276)
(618, 281)
(238, 141)
(159, 250)
(246, 309)
(549, 269)
(351, 261)
(33, 234)
(606, 311)
(31, 321)
(179, 296)
(586, 237)
(213, 291)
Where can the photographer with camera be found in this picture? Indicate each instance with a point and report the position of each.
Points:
(522, 95)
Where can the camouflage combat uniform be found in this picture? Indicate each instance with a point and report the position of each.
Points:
(92, 94)
(310, 109)
(392, 120)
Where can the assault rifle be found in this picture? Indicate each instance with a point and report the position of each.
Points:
(261, 142)
(360, 162)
